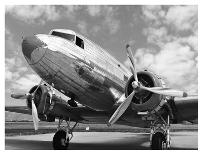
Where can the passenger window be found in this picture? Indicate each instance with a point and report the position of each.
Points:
(79, 42)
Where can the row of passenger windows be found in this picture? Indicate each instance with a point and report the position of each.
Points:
(79, 42)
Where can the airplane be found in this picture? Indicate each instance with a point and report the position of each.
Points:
(101, 89)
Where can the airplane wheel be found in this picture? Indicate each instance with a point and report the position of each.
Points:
(59, 140)
(158, 141)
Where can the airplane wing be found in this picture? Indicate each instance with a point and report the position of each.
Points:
(186, 108)
(19, 109)
(59, 110)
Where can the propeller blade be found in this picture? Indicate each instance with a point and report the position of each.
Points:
(130, 56)
(121, 109)
(165, 91)
(35, 116)
(20, 96)
(38, 86)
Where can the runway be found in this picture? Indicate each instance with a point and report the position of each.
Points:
(102, 141)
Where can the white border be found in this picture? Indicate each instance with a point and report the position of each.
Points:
(98, 2)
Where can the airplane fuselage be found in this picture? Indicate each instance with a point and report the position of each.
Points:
(95, 78)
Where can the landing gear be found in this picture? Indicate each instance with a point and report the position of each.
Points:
(63, 136)
(160, 136)
(158, 140)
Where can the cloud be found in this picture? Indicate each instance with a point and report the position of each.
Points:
(11, 46)
(106, 15)
(37, 14)
(176, 63)
(110, 20)
(94, 10)
(175, 57)
(40, 14)
(26, 82)
(113, 25)
(17, 77)
(13, 64)
(157, 35)
(153, 14)
(182, 17)
(13, 68)
(95, 29)
(82, 26)
(70, 11)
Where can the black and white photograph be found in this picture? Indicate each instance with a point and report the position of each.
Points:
(101, 77)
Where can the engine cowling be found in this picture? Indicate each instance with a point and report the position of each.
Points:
(144, 100)
(43, 103)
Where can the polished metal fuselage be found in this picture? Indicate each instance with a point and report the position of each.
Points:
(58, 64)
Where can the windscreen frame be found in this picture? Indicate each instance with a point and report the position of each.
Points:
(64, 35)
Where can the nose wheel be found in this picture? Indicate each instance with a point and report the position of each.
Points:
(63, 136)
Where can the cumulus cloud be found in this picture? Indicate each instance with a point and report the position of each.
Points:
(182, 17)
(175, 57)
(26, 82)
(176, 63)
(40, 14)
(17, 75)
(37, 14)
(153, 14)
(13, 68)
(157, 35)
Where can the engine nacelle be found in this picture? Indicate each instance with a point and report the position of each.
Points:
(42, 102)
(144, 100)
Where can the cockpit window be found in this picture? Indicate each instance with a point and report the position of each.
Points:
(79, 42)
(64, 35)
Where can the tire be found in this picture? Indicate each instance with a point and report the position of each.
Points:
(158, 140)
(59, 141)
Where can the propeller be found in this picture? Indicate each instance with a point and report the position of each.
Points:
(165, 91)
(20, 96)
(137, 86)
(35, 116)
(34, 109)
(121, 109)
(131, 58)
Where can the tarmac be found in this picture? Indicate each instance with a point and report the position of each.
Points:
(186, 140)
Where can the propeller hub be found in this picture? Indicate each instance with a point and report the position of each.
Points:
(135, 84)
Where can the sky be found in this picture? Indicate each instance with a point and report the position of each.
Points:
(165, 39)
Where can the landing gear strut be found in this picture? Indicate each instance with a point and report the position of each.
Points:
(160, 135)
(63, 136)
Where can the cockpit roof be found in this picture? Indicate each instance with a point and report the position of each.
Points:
(63, 31)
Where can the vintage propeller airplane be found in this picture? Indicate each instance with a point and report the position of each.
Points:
(107, 91)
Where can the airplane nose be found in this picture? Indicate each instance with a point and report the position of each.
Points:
(29, 44)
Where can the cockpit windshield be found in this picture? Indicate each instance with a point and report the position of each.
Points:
(70, 37)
